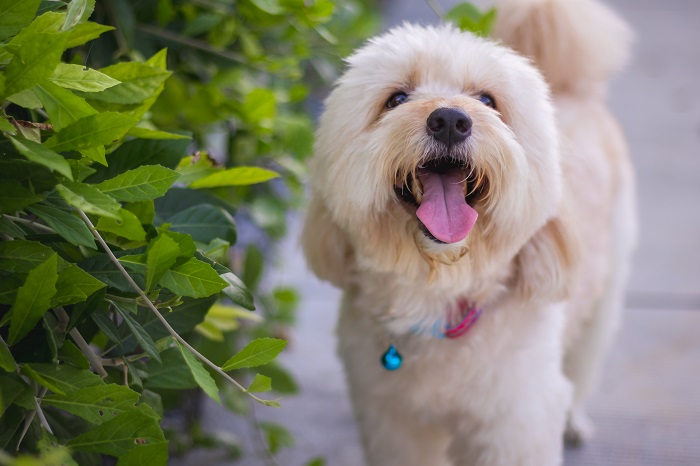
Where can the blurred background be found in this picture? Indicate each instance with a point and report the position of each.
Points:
(647, 407)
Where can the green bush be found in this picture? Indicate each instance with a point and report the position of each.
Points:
(116, 235)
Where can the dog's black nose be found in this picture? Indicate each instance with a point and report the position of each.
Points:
(449, 125)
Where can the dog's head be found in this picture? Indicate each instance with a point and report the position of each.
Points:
(436, 147)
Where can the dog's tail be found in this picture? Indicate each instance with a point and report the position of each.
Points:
(575, 43)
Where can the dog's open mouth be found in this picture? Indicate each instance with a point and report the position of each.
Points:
(442, 194)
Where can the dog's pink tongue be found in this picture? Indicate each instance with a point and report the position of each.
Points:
(444, 211)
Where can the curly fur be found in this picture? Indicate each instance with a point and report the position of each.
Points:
(546, 258)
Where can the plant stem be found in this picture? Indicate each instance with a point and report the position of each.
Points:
(155, 311)
(30, 418)
(95, 360)
(195, 44)
(42, 418)
(30, 223)
(120, 299)
(435, 7)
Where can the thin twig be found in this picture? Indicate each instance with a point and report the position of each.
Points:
(30, 223)
(120, 299)
(42, 418)
(435, 7)
(195, 44)
(155, 311)
(94, 359)
(30, 418)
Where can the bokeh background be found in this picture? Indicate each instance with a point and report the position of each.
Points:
(647, 406)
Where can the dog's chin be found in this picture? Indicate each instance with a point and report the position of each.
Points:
(441, 195)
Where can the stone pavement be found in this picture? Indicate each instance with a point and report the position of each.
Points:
(647, 408)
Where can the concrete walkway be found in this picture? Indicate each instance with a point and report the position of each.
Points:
(648, 406)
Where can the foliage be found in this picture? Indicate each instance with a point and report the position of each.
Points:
(115, 239)
(469, 17)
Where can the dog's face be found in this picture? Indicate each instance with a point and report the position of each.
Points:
(437, 146)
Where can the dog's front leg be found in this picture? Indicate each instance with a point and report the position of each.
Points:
(525, 429)
(392, 438)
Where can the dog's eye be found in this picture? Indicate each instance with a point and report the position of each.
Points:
(487, 100)
(396, 100)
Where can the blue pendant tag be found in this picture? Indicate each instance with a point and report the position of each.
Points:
(392, 359)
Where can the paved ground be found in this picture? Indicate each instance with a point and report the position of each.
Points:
(648, 406)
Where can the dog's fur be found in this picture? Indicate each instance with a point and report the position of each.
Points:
(546, 259)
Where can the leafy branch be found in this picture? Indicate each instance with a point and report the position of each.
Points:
(158, 315)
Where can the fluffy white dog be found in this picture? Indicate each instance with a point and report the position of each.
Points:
(477, 209)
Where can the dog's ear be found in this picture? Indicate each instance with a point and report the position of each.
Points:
(328, 251)
(546, 265)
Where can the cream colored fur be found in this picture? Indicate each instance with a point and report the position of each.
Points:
(546, 259)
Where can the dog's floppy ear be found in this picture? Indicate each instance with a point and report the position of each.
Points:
(546, 265)
(328, 251)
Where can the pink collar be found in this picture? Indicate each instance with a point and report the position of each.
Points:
(470, 315)
(458, 322)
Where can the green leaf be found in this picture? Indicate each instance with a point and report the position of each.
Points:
(161, 254)
(119, 435)
(96, 404)
(143, 338)
(102, 268)
(85, 32)
(7, 362)
(128, 227)
(260, 384)
(35, 61)
(96, 153)
(26, 99)
(10, 229)
(154, 454)
(133, 154)
(76, 9)
(91, 131)
(146, 133)
(282, 380)
(172, 373)
(6, 126)
(140, 184)
(256, 353)
(74, 286)
(73, 355)
(81, 79)
(470, 18)
(194, 278)
(463, 10)
(139, 82)
(200, 374)
(237, 292)
(193, 168)
(62, 379)
(259, 107)
(14, 197)
(205, 223)
(33, 299)
(185, 242)
(10, 389)
(23, 256)
(14, 15)
(238, 176)
(62, 106)
(277, 436)
(89, 199)
(38, 153)
(70, 227)
(145, 211)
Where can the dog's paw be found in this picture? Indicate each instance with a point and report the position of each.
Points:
(579, 429)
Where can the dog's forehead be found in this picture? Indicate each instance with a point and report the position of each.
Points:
(433, 59)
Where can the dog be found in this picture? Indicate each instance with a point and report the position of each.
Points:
(474, 200)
